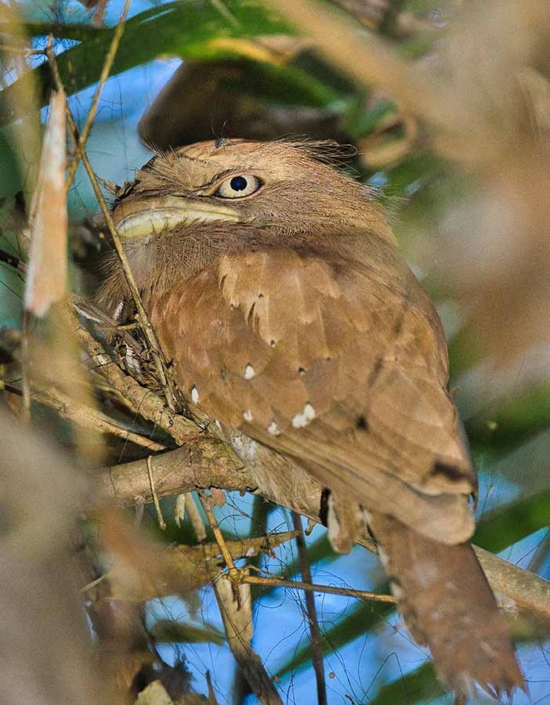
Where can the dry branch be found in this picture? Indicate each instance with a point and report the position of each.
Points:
(236, 611)
(46, 280)
(187, 469)
(311, 609)
(148, 404)
(88, 417)
(235, 604)
(182, 569)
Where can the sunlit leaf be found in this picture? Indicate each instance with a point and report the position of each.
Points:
(187, 29)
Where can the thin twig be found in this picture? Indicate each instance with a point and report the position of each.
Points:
(190, 468)
(25, 367)
(94, 583)
(227, 557)
(316, 649)
(7, 387)
(105, 71)
(19, 50)
(117, 328)
(90, 418)
(310, 587)
(13, 261)
(160, 365)
(160, 518)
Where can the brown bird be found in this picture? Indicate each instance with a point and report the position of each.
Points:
(276, 288)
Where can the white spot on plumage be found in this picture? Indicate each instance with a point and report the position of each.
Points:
(247, 415)
(194, 395)
(307, 415)
(397, 592)
(384, 559)
(273, 429)
(249, 372)
(333, 525)
(487, 649)
(299, 421)
(118, 310)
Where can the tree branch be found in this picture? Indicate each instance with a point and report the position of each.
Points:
(148, 404)
(205, 465)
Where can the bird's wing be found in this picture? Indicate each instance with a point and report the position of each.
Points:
(342, 366)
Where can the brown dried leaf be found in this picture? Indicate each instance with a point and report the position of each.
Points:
(47, 273)
(218, 497)
(154, 694)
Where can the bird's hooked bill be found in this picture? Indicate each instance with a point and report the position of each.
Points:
(146, 217)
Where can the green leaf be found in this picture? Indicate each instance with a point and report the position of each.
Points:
(513, 422)
(360, 123)
(365, 617)
(417, 687)
(170, 631)
(512, 522)
(190, 29)
(285, 85)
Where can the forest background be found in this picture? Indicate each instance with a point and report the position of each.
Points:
(447, 104)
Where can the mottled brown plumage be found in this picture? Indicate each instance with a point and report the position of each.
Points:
(276, 287)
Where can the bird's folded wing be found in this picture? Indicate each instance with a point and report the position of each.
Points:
(342, 366)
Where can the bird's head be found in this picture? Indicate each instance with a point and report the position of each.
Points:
(288, 187)
(189, 206)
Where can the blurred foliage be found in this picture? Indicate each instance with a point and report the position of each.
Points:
(417, 187)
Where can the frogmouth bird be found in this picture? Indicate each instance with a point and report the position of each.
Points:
(276, 289)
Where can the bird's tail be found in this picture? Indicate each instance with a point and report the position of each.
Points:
(448, 605)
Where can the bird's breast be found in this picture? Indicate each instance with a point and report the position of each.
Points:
(284, 337)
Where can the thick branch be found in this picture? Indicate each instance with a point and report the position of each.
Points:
(529, 592)
(204, 465)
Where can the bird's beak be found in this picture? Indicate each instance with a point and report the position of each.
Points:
(141, 218)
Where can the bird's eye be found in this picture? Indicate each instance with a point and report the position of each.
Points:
(239, 187)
